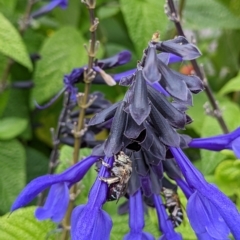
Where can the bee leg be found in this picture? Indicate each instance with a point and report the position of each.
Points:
(110, 180)
(106, 164)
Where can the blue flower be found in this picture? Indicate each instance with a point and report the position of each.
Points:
(136, 219)
(58, 197)
(205, 218)
(89, 221)
(49, 7)
(217, 143)
(215, 209)
(166, 226)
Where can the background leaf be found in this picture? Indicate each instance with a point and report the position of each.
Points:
(232, 85)
(12, 172)
(210, 14)
(22, 225)
(11, 127)
(11, 43)
(231, 114)
(143, 18)
(60, 53)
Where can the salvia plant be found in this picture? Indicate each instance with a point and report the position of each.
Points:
(112, 162)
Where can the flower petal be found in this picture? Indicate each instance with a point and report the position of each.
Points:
(176, 118)
(236, 147)
(223, 204)
(139, 107)
(90, 223)
(114, 142)
(56, 204)
(104, 115)
(49, 7)
(204, 217)
(138, 236)
(150, 70)
(119, 59)
(166, 132)
(165, 223)
(181, 47)
(71, 175)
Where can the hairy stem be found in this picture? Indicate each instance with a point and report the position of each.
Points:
(216, 111)
(83, 102)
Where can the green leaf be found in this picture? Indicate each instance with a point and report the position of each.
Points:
(232, 85)
(22, 225)
(197, 112)
(143, 18)
(227, 176)
(12, 172)
(108, 10)
(210, 161)
(120, 226)
(11, 127)
(60, 53)
(37, 164)
(8, 5)
(11, 43)
(70, 15)
(231, 115)
(66, 154)
(209, 13)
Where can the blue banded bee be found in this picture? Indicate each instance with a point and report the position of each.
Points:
(173, 204)
(120, 175)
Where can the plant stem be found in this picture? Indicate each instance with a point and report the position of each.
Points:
(216, 111)
(83, 102)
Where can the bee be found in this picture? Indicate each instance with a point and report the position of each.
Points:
(173, 205)
(120, 175)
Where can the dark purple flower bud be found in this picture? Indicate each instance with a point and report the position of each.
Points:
(180, 47)
(171, 168)
(166, 133)
(174, 85)
(104, 115)
(114, 143)
(176, 118)
(117, 60)
(150, 69)
(133, 130)
(139, 106)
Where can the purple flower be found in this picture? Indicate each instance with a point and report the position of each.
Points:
(136, 219)
(89, 221)
(49, 7)
(165, 223)
(58, 197)
(205, 219)
(217, 143)
(215, 209)
(76, 76)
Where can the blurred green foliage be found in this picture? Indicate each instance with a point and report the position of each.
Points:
(25, 139)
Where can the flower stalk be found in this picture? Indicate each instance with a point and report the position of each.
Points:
(174, 16)
(83, 103)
